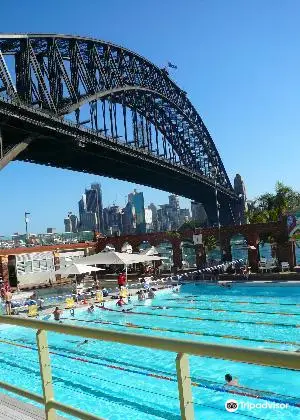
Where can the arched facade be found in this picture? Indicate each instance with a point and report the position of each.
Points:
(251, 233)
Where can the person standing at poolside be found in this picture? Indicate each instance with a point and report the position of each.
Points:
(122, 280)
(8, 298)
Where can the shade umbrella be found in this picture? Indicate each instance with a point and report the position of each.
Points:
(117, 258)
(76, 269)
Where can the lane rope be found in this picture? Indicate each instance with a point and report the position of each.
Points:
(239, 302)
(207, 319)
(222, 310)
(198, 333)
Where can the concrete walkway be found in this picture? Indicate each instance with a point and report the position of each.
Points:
(13, 409)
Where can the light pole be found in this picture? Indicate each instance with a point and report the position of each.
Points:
(26, 223)
(215, 172)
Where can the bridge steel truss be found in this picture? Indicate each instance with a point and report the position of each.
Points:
(92, 106)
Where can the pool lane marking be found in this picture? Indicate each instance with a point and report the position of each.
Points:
(248, 393)
(248, 296)
(191, 308)
(239, 302)
(207, 319)
(199, 333)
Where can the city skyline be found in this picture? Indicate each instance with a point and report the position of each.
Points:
(135, 217)
(107, 202)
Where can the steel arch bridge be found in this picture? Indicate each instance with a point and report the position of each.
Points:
(95, 107)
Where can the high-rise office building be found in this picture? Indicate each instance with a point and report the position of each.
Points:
(153, 208)
(71, 223)
(199, 213)
(94, 204)
(68, 225)
(91, 209)
(137, 200)
(51, 230)
(129, 219)
(112, 220)
(148, 220)
(164, 217)
(74, 222)
(174, 201)
(89, 221)
(82, 210)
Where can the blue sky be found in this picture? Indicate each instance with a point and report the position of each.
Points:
(238, 60)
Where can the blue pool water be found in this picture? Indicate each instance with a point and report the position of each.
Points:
(118, 382)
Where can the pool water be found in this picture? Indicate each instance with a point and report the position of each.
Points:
(118, 381)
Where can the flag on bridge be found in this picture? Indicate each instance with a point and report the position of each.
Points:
(172, 65)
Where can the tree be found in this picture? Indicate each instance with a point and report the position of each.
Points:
(210, 243)
(272, 207)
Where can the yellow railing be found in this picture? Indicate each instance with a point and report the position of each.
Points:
(273, 358)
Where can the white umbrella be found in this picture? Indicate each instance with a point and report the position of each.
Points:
(116, 258)
(76, 269)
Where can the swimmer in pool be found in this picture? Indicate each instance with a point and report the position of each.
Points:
(57, 313)
(230, 381)
(84, 342)
(72, 312)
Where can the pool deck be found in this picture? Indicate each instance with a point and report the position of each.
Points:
(13, 409)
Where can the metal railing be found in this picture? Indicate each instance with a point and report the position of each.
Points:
(183, 348)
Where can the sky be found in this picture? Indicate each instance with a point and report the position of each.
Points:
(238, 61)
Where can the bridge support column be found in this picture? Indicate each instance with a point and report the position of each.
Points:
(285, 252)
(177, 255)
(253, 254)
(7, 157)
(200, 256)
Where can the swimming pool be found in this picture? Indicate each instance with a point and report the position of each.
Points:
(125, 382)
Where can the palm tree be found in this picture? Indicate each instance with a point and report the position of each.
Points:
(272, 207)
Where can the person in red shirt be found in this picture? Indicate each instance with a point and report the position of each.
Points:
(121, 280)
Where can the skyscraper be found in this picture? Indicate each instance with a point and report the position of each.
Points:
(129, 219)
(174, 201)
(71, 223)
(112, 220)
(94, 204)
(199, 213)
(67, 223)
(148, 220)
(153, 208)
(74, 222)
(89, 221)
(137, 200)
